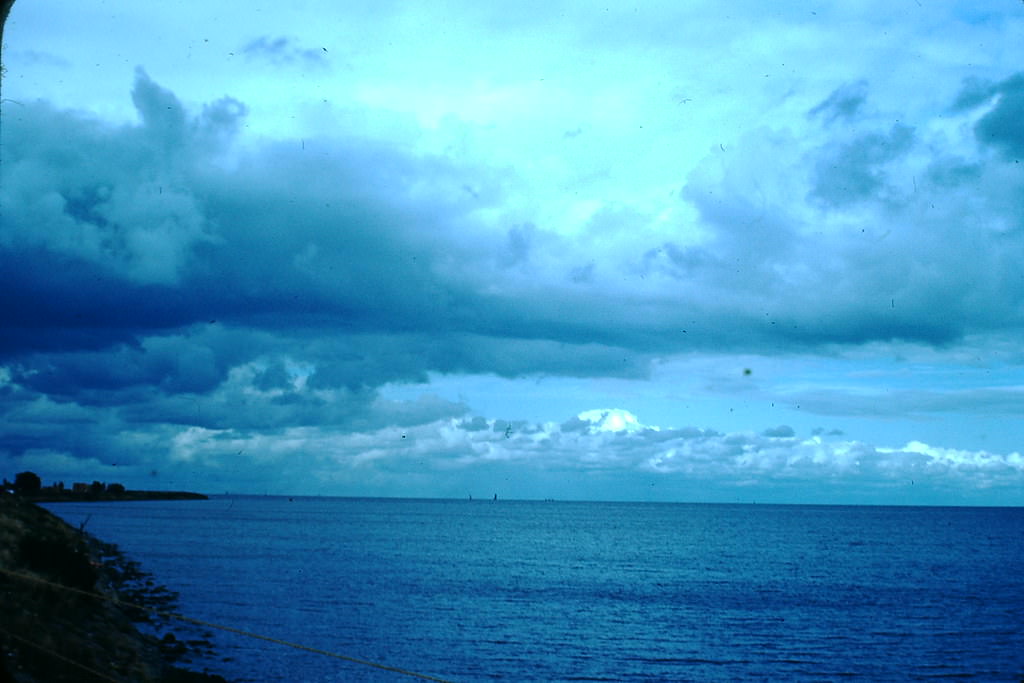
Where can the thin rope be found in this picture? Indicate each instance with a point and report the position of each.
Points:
(59, 656)
(229, 629)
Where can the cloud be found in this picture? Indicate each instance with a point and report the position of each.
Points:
(282, 50)
(887, 215)
(843, 104)
(450, 455)
(782, 431)
(193, 290)
(177, 225)
(116, 203)
(163, 116)
(610, 420)
(891, 402)
(1001, 104)
(856, 171)
(41, 58)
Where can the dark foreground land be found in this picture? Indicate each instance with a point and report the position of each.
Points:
(52, 633)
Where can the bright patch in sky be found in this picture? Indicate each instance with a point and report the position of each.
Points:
(612, 420)
(694, 252)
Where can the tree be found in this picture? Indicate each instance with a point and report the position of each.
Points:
(27, 482)
(5, 9)
(115, 488)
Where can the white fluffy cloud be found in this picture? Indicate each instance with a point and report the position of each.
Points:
(459, 455)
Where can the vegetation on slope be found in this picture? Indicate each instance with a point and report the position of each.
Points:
(55, 629)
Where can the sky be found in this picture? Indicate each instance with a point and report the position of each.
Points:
(696, 252)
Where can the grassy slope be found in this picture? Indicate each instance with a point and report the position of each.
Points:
(41, 624)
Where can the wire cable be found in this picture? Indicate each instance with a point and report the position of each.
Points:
(229, 629)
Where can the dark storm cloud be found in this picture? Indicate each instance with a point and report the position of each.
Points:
(161, 277)
(54, 301)
(138, 230)
(1001, 126)
(37, 424)
(194, 362)
(154, 231)
(155, 282)
(274, 376)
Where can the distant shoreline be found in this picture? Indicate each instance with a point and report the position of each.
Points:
(107, 497)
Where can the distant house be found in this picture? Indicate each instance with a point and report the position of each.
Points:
(80, 487)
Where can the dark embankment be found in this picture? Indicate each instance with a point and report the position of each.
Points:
(50, 634)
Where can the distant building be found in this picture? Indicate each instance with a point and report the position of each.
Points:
(80, 487)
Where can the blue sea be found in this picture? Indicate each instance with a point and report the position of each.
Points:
(571, 591)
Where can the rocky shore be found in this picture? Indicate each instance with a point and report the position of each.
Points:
(50, 634)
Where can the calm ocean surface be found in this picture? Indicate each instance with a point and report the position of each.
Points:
(559, 591)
